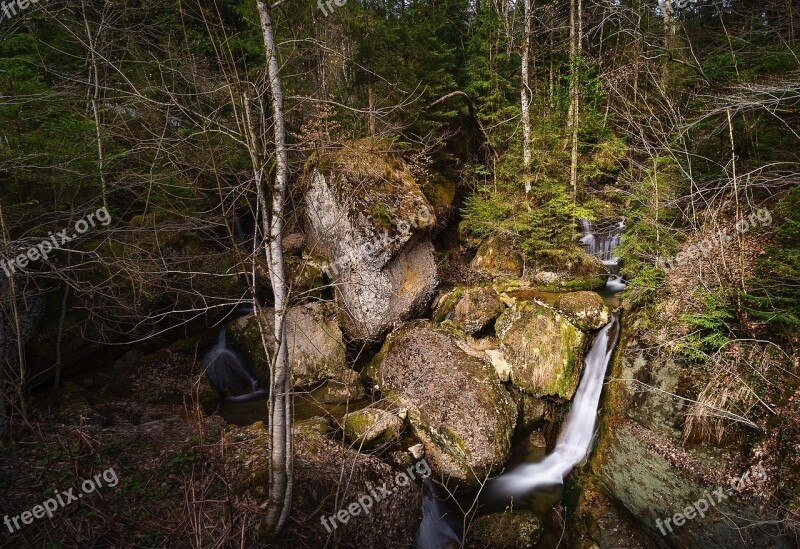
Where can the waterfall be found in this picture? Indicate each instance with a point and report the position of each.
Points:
(576, 436)
(227, 372)
(600, 241)
(434, 532)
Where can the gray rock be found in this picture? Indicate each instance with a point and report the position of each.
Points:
(457, 406)
(367, 215)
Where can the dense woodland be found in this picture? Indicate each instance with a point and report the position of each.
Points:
(199, 127)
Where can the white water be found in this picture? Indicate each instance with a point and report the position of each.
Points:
(600, 242)
(576, 436)
(434, 532)
(227, 372)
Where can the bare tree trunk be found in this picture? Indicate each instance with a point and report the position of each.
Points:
(575, 46)
(94, 97)
(525, 97)
(279, 402)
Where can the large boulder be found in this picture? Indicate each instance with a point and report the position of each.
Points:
(316, 346)
(456, 405)
(585, 309)
(330, 509)
(471, 309)
(544, 349)
(496, 257)
(369, 218)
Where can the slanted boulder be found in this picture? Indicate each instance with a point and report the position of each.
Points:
(316, 346)
(456, 405)
(585, 309)
(544, 349)
(471, 309)
(497, 257)
(369, 218)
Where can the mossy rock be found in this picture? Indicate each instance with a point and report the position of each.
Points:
(581, 272)
(496, 257)
(544, 349)
(585, 309)
(371, 427)
(316, 345)
(471, 309)
(509, 530)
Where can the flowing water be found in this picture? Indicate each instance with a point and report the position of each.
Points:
(545, 477)
(576, 436)
(227, 372)
(600, 240)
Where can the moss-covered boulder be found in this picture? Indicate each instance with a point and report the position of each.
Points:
(371, 427)
(471, 309)
(369, 218)
(322, 495)
(585, 309)
(544, 349)
(580, 271)
(456, 405)
(316, 346)
(509, 530)
(496, 256)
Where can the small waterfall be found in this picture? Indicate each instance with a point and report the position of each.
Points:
(576, 436)
(227, 372)
(601, 240)
(434, 531)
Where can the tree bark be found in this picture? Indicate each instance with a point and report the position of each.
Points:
(525, 99)
(279, 402)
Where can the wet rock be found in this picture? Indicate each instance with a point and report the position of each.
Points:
(472, 310)
(497, 257)
(517, 529)
(369, 218)
(316, 346)
(585, 309)
(544, 349)
(457, 406)
(371, 427)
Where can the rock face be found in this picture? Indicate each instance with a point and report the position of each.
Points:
(645, 471)
(544, 349)
(316, 347)
(457, 406)
(585, 309)
(497, 257)
(371, 427)
(471, 309)
(368, 216)
(320, 492)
